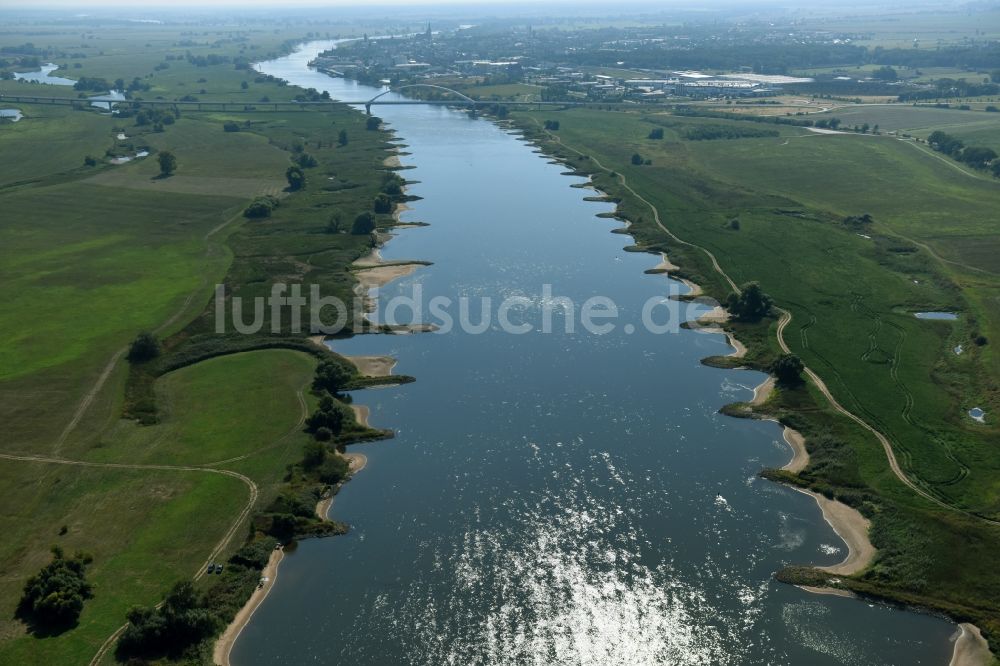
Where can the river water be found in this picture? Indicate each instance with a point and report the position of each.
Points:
(555, 498)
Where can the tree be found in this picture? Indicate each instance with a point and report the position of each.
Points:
(314, 453)
(750, 304)
(656, 133)
(788, 369)
(231, 126)
(144, 348)
(978, 157)
(306, 161)
(945, 143)
(637, 159)
(383, 204)
(90, 161)
(330, 415)
(333, 376)
(181, 621)
(551, 125)
(371, 124)
(859, 221)
(363, 224)
(261, 207)
(168, 163)
(885, 74)
(53, 598)
(244, 85)
(342, 137)
(296, 178)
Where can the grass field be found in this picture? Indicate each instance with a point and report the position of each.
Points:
(90, 256)
(851, 299)
(148, 528)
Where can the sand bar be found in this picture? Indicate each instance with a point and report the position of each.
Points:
(800, 457)
(373, 366)
(762, 392)
(971, 649)
(361, 413)
(850, 526)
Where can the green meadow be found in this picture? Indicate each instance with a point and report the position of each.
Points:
(92, 255)
(852, 293)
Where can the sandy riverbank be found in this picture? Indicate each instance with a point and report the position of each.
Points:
(223, 646)
(739, 349)
(762, 392)
(850, 526)
(377, 276)
(373, 366)
(361, 413)
(800, 457)
(971, 649)
(355, 463)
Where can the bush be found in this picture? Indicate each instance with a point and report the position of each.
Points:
(231, 126)
(306, 161)
(180, 623)
(373, 123)
(53, 599)
(656, 133)
(637, 159)
(363, 224)
(296, 178)
(144, 348)
(261, 207)
(333, 376)
(383, 204)
(750, 304)
(552, 125)
(788, 369)
(90, 161)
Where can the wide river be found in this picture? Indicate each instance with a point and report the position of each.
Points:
(555, 498)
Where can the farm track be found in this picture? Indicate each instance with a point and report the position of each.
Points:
(785, 317)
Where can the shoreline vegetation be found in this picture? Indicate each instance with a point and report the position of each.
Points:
(853, 528)
(849, 524)
(370, 271)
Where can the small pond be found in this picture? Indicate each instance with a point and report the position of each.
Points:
(977, 414)
(12, 114)
(935, 315)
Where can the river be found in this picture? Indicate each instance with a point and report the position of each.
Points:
(555, 498)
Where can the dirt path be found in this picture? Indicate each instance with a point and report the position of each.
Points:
(219, 547)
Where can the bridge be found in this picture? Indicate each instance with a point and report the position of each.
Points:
(460, 99)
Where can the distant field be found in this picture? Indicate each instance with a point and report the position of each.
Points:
(916, 120)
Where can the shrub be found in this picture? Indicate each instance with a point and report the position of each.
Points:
(296, 178)
(53, 599)
(231, 126)
(750, 304)
(552, 125)
(144, 348)
(363, 224)
(656, 133)
(788, 369)
(333, 376)
(383, 204)
(261, 207)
